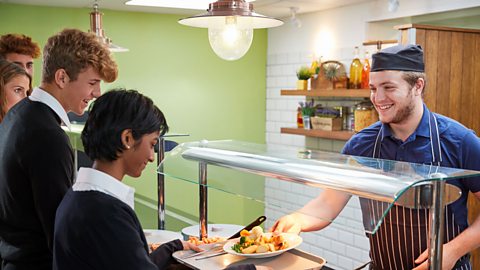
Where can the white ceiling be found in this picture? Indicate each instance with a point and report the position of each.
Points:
(273, 8)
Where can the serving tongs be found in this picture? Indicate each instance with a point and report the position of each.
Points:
(217, 248)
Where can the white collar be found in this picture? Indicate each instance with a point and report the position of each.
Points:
(44, 97)
(90, 179)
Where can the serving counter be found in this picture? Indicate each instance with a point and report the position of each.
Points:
(206, 164)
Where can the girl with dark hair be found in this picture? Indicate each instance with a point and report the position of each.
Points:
(95, 225)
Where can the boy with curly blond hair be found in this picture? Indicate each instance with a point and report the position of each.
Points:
(36, 161)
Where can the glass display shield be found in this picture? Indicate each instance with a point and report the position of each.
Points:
(243, 172)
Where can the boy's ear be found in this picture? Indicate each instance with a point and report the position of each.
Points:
(61, 78)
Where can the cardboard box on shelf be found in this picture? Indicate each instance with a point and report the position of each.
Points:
(326, 123)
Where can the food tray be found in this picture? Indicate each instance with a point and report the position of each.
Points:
(294, 259)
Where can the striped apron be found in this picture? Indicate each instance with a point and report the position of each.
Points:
(403, 235)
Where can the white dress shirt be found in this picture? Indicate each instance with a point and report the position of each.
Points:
(89, 179)
(44, 97)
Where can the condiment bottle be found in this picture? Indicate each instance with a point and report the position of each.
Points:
(299, 118)
(366, 72)
(355, 81)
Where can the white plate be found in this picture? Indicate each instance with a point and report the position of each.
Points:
(161, 236)
(220, 230)
(293, 241)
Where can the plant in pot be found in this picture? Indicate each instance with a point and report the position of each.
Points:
(308, 110)
(334, 72)
(303, 74)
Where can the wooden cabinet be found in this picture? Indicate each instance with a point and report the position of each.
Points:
(452, 66)
(343, 135)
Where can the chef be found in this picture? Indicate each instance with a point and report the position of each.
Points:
(407, 131)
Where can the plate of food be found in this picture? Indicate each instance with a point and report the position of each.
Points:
(257, 244)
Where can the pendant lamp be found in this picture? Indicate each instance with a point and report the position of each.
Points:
(97, 29)
(230, 26)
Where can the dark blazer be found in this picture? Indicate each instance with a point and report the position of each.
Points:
(95, 231)
(36, 170)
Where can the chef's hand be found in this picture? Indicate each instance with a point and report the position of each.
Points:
(448, 261)
(261, 267)
(187, 245)
(289, 223)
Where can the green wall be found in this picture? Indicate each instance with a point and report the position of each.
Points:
(200, 94)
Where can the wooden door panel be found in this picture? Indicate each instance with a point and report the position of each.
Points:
(456, 58)
(431, 66)
(467, 117)
(443, 71)
(476, 90)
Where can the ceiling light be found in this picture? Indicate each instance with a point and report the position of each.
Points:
(393, 5)
(230, 26)
(185, 4)
(97, 29)
(293, 19)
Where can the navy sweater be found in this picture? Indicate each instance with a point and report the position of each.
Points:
(36, 170)
(96, 231)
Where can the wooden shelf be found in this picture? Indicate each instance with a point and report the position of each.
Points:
(333, 135)
(364, 93)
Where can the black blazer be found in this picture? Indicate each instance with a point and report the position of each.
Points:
(36, 170)
(95, 231)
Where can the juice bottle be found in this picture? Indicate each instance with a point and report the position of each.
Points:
(356, 67)
(366, 72)
(299, 118)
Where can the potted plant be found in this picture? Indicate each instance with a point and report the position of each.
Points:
(303, 74)
(308, 110)
(334, 72)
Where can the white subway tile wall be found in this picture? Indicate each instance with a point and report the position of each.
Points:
(343, 249)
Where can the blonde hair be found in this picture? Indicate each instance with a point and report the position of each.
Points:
(8, 71)
(74, 51)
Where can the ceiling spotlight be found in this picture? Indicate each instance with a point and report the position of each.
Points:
(393, 5)
(230, 26)
(293, 19)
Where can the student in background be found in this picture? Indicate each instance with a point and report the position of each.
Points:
(15, 83)
(19, 49)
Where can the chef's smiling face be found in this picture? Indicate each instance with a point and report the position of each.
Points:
(393, 98)
(140, 154)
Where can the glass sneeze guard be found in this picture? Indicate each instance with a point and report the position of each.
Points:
(388, 182)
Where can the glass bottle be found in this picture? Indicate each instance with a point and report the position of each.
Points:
(355, 81)
(299, 118)
(366, 72)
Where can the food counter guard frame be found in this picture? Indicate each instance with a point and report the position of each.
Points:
(392, 182)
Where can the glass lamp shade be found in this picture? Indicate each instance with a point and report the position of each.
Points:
(230, 41)
(230, 26)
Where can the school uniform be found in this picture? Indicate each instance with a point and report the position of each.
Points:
(36, 170)
(97, 228)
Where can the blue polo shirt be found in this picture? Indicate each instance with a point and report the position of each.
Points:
(460, 149)
(403, 235)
